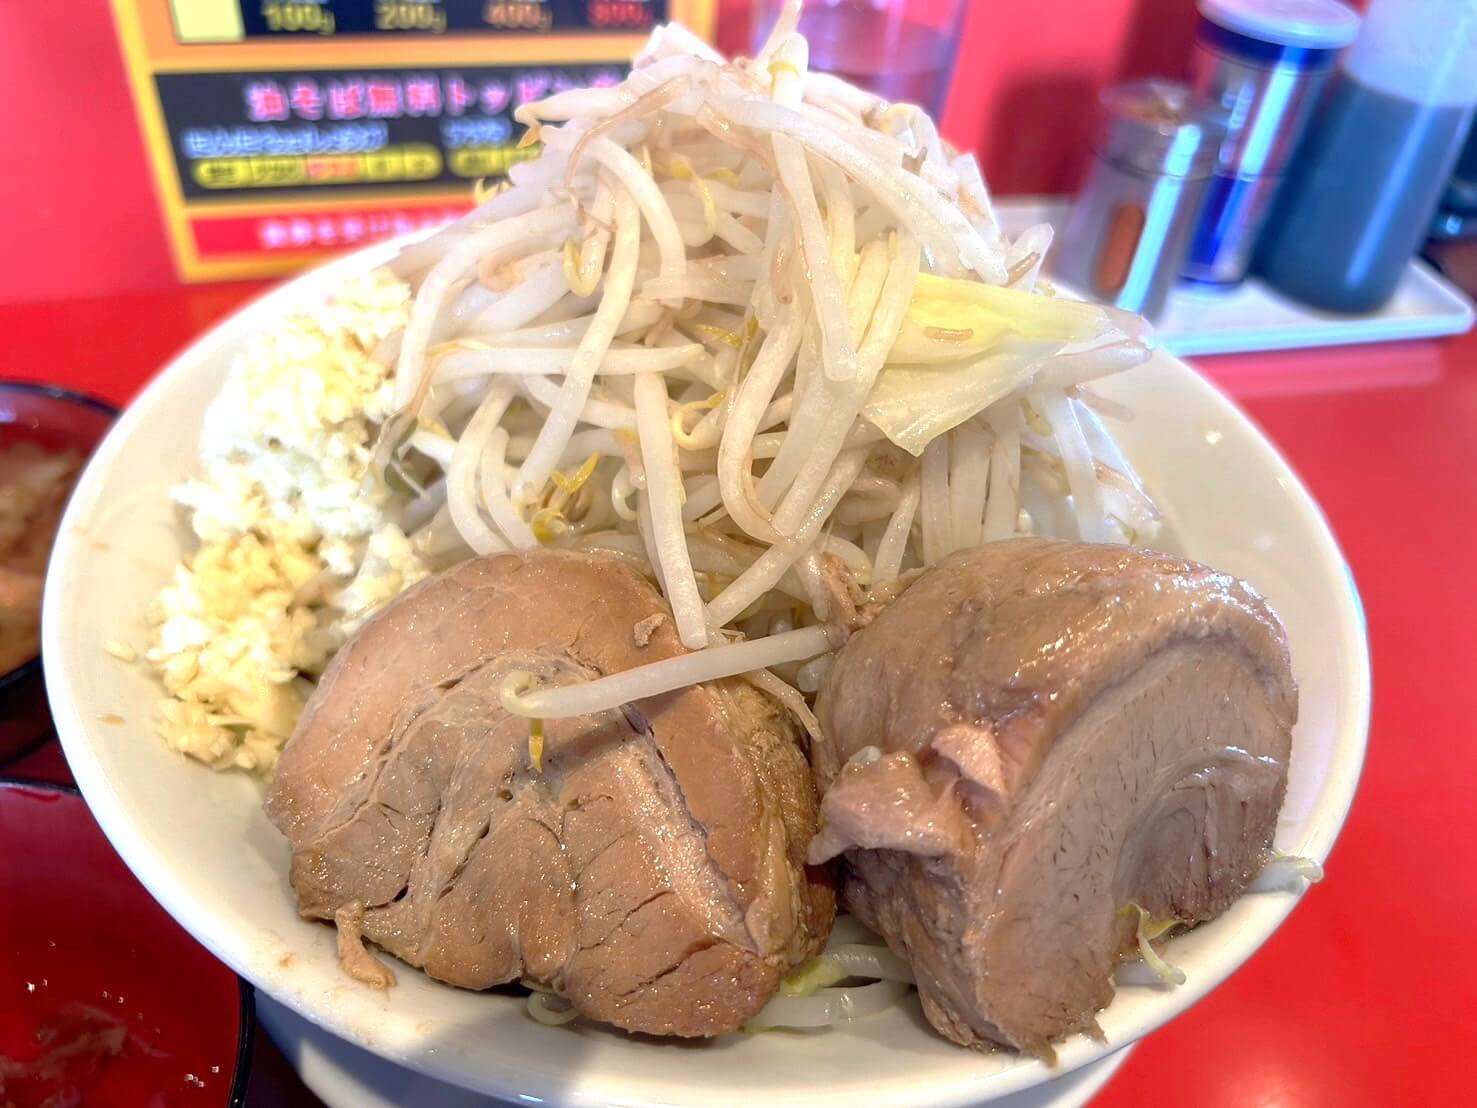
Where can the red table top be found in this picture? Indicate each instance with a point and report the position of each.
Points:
(1368, 995)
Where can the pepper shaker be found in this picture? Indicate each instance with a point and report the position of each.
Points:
(1130, 225)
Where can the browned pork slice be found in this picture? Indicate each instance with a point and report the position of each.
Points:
(648, 864)
(1032, 737)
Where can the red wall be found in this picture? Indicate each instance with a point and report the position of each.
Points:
(77, 211)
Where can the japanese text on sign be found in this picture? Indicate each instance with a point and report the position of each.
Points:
(240, 132)
(281, 130)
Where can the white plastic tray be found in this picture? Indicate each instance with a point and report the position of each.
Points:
(1254, 317)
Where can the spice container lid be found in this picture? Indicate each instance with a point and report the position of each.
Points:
(1312, 24)
(1157, 128)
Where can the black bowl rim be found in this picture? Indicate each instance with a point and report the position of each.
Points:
(11, 678)
(61, 392)
(246, 1031)
(14, 677)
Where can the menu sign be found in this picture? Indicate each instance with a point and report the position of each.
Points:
(283, 131)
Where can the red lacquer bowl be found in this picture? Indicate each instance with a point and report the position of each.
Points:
(104, 1000)
(55, 419)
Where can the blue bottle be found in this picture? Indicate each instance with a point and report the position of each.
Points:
(1379, 151)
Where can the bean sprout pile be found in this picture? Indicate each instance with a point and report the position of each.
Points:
(760, 331)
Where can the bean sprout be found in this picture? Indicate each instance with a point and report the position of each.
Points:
(747, 327)
(712, 664)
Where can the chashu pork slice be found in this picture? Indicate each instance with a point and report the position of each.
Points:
(648, 864)
(1033, 737)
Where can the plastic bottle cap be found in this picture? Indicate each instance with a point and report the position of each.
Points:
(1315, 24)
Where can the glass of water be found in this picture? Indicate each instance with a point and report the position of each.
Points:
(903, 50)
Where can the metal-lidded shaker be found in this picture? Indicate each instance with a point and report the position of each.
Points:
(1130, 225)
(1261, 64)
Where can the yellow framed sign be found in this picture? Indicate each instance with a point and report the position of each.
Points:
(280, 131)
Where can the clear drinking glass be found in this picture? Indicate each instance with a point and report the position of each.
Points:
(903, 50)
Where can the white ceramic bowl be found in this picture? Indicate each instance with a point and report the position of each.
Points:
(199, 841)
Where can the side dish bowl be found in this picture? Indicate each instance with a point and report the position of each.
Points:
(55, 419)
(201, 844)
(145, 1017)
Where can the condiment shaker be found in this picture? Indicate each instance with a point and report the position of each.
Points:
(1130, 224)
(1261, 64)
